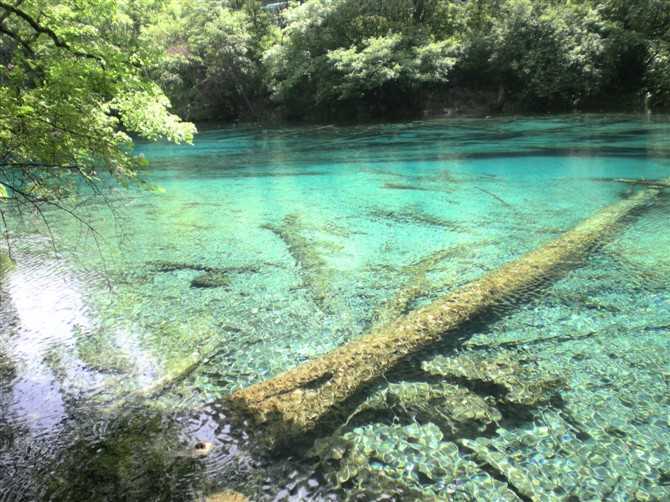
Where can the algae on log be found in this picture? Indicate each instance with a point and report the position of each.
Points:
(295, 402)
(414, 288)
(415, 217)
(316, 275)
(211, 280)
(226, 496)
(660, 184)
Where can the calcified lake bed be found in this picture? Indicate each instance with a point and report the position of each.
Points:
(261, 249)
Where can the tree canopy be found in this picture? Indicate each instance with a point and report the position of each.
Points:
(305, 59)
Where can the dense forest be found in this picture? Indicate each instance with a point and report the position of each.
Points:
(323, 59)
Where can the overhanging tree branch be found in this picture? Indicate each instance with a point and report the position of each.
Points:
(6, 14)
(25, 45)
(40, 29)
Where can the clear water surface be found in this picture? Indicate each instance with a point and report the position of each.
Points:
(263, 248)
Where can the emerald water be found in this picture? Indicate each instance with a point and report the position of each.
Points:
(260, 249)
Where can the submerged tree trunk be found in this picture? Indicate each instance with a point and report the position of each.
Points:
(298, 400)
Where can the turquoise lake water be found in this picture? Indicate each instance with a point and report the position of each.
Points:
(264, 248)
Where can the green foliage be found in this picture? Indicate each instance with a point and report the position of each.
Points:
(212, 63)
(639, 35)
(390, 59)
(542, 53)
(73, 91)
(232, 59)
(551, 52)
(338, 50)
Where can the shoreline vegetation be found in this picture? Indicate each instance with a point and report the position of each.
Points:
(321, 60)
(457, 103)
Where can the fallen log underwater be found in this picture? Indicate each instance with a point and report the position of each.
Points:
(295, 402)
(636, 182)
(316, 276)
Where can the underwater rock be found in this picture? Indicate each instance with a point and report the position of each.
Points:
(201, 449)
(523, 384)
(211, 280)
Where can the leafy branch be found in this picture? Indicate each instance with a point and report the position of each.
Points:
(41, 29)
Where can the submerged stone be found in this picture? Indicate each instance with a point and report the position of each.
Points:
(201, 449)
(211, 280)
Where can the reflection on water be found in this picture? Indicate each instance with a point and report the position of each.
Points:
(267, 248)
(48, 307)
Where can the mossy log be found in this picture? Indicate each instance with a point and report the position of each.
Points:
(316, 275)
(211, 277)
(297, 401)
(416, 286)
(660, 184)
(414, 217)
(211, 280)
(226, 496)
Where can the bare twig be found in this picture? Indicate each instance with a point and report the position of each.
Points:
(6, 234)
(506, 204)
